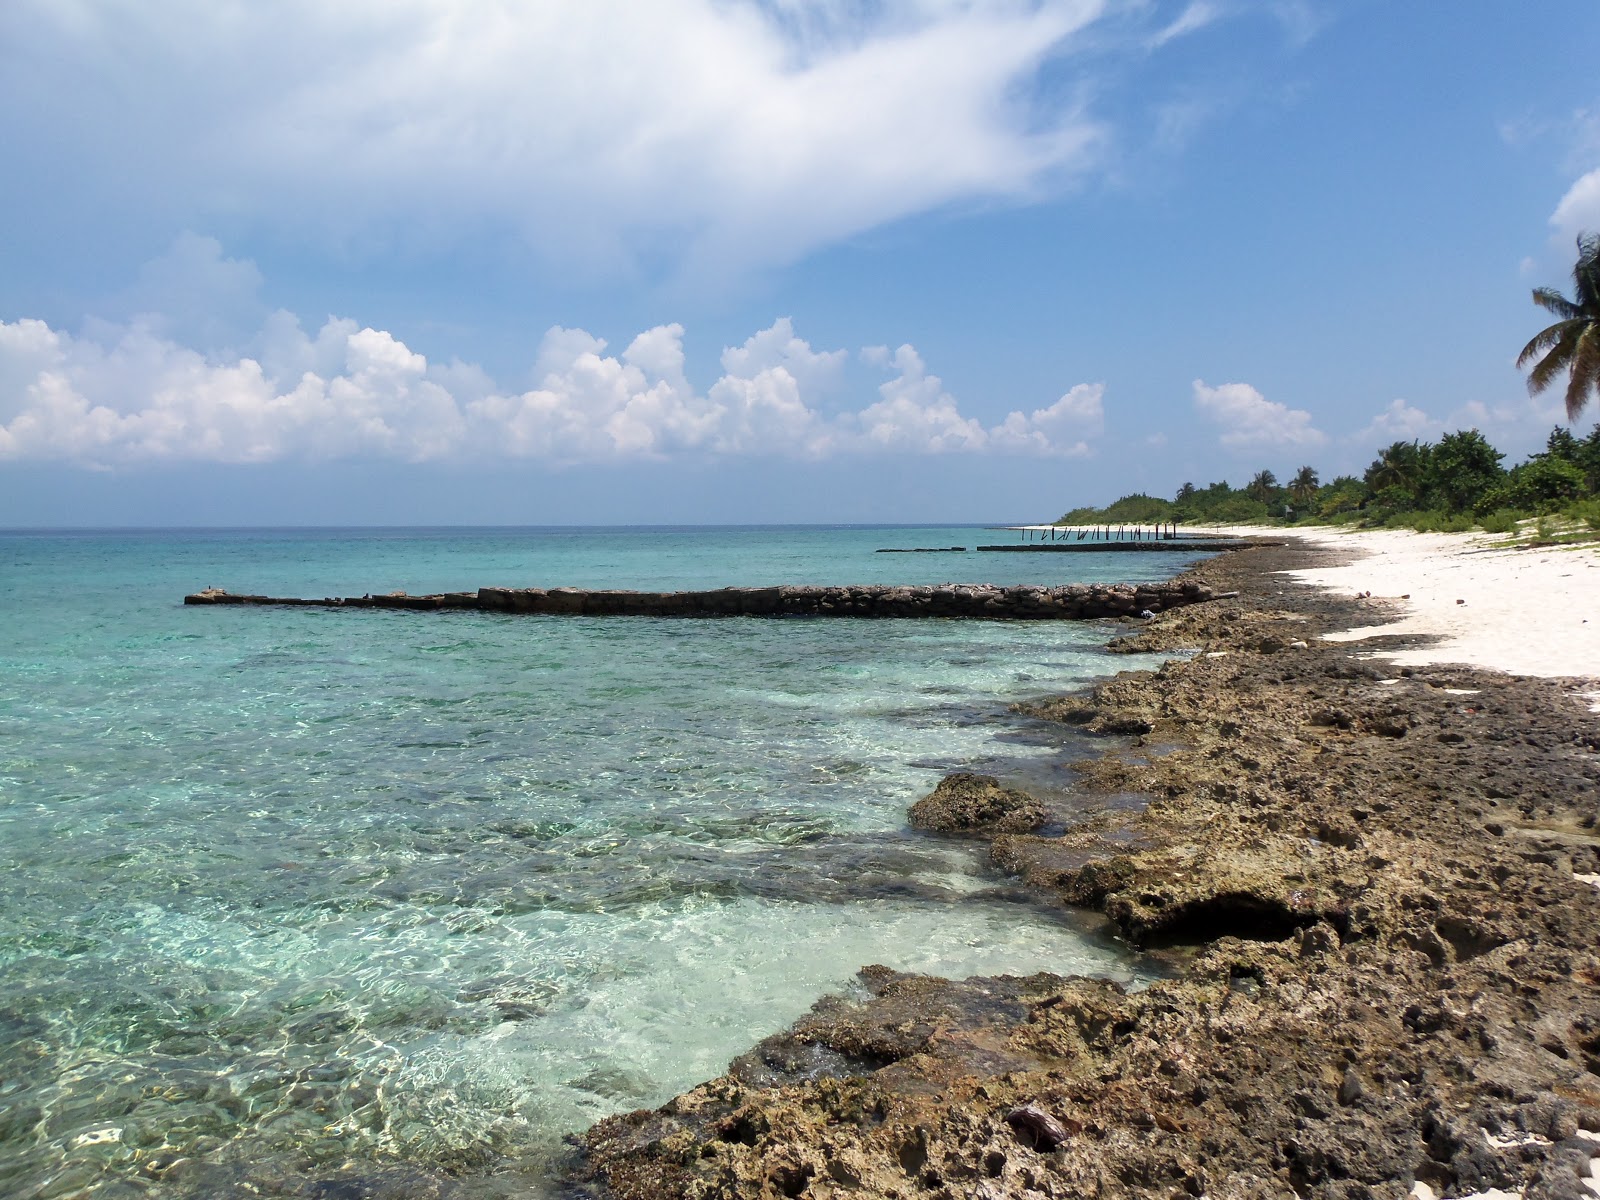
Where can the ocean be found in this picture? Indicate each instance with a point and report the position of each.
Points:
(399, 900)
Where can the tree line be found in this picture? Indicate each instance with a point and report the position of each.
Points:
(1454, 483)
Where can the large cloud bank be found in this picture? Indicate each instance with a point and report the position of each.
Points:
(353, 392)
(734, 133)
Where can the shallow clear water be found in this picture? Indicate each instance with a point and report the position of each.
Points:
(286, 893)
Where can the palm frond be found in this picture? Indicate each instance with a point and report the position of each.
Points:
(1585, 371)
(1553, 363)
(1553, 300)
(1586, 271)
(1543, 340)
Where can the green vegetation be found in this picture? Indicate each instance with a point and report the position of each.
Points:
(1456, 484)
(1572, 344)
(1452, 485)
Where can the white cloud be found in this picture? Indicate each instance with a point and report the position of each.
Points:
(135, 396)
(915, 413)
(1061, 429)
(1579, 210)
(594, 406)
(1399, 422)
(740, 132)
(1517, 426)
(777, 346)
(1250, 421)
(1196, 16)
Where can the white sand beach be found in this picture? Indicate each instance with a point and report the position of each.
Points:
(1526, 612)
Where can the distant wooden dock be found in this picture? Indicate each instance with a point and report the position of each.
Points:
(1163, 536)
(1157, 545)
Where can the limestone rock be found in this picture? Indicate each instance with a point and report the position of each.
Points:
(967, 803)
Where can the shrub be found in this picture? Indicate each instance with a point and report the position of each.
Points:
(1460, 470)
(1434, 521)
(1344, 495)
(1588, 512)
(1543, 484)
(1501, 520)
(1139, 509)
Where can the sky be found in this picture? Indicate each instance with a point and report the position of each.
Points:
(281, 262)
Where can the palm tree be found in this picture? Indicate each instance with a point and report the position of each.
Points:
(1262, 486)
(1572, 344)
(1398, 465)
(1303, 487)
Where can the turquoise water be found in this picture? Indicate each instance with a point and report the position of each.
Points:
(397, 899)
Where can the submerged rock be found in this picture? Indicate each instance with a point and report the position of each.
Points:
(967, 803)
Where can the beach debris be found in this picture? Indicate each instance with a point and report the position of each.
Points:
(1037, 1127)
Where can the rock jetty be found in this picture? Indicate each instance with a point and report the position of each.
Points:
(985, 601)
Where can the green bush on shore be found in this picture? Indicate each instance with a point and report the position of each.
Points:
(1453, 485)
(1501, 520)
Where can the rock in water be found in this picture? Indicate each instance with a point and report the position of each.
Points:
(968, 803)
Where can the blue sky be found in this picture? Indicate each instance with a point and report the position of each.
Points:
(424, 261)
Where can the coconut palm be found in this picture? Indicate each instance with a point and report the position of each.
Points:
(1398, 465)
(1303, 487)
(1262, 486)
(1572, 344)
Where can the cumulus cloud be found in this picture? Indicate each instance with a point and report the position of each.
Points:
(915, 413)
(348, 391)
(1250, 421)
(1579, 210)
(1399, 422)
(1517, 425)
(746, 132)
(1061, 429)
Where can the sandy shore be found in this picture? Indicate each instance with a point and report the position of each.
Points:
(1525, 612)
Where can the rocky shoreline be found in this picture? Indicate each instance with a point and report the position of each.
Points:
(1383, 887)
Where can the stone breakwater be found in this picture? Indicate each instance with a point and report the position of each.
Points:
(984, 601)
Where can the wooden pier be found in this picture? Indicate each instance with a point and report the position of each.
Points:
(1179, 546)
